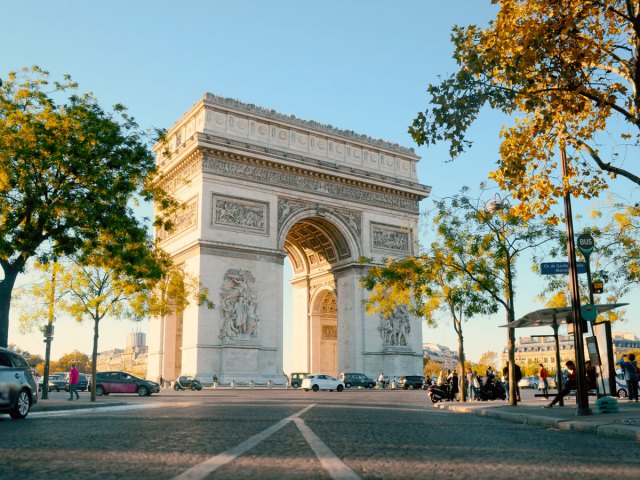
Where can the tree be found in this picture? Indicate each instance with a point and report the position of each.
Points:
(483, 241)
(565, 71)
(69, 171)
(81, 361)
(488, 359)
(432, 286)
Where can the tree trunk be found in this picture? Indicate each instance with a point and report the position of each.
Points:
(94, 358)
(6, 287)
(462, 378)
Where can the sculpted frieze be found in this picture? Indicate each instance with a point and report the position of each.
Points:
(395, 329)
(394, 239)
(300, 182)
(243, 214)
(185, 219)
(287, 208)
(239, 305)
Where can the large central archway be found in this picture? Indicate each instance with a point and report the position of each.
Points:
(259, 187)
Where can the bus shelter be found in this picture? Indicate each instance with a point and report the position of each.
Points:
(556, 316)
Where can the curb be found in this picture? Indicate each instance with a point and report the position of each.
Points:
(609, 429)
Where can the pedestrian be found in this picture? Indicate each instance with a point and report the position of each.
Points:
(476, 386)
(543, 375)
(569, 385)
(505, 375)
(381, 380)
(73, 378)
(470, 388)
(592, 376)
(629, 368)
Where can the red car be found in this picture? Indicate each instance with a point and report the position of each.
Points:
(123, 382)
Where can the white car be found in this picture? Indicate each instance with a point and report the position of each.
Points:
(528, 382)
(317, 382)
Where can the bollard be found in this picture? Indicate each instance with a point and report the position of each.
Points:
(251, 383)
(215, 385)
(233, 384)
(269, 383)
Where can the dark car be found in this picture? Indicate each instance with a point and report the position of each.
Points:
(357, 380)
(187, 382)
(123, 382)
(18, 389)
(83, 382)
(57, 382)
(409, 382)
(295, 379)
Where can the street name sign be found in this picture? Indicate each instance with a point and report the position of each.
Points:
(560, 268)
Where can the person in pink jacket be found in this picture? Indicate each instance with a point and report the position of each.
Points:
(74, 376)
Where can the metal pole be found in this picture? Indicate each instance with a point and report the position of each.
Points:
(581, 387)
(587, 258)
(558, 361)
(49, 332)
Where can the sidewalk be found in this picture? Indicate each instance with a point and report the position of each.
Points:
(625, 423)
(64, 404)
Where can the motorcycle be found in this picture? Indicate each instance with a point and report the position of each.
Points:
(492, 391)
(439, 393)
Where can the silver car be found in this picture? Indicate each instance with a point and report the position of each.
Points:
(18, 390)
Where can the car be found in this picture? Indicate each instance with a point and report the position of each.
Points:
(621, 385)
(57, 382)
(184, 382)
(409, 382)
(18, 389)
(528, 382)
(124, 382)
(83, 381)
(321, 381)
(357, 380)
(295, 379)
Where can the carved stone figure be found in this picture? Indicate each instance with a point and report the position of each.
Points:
(238, 305)
(395, 328)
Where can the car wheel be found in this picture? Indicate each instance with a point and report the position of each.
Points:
(622, 393)
(143, 391)
(99, 390)
(22, 406)
(193, 388)
(347, 385)
(411, 387)
(370, 385)
(339, 388)
(315, 388)
(175, 387)
(296, 385)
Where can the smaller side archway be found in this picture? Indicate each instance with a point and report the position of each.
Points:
(324, 332)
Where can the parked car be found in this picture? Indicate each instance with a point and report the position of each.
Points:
(295, 379)
(57, 382)
(528, 382)
(123, 382)
(409, 382)
(621, 385)
(18, 389)
(357, 380)
(317, 382)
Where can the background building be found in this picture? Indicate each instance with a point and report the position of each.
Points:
(132, 359)
(441, 354)
(536, 350)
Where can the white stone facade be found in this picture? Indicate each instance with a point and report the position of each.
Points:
(259, 186)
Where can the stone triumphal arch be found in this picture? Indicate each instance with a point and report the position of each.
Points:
(260, 186)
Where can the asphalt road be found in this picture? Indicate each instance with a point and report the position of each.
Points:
(295, 434)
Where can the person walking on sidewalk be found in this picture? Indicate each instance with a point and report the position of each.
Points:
(630, 370)
(544, 383)
(571, 384)
(74, 376)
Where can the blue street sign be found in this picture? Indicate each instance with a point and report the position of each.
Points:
(560, 268)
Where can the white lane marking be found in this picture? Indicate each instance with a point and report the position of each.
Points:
(115, 408)
(332, 464)
(205, 468)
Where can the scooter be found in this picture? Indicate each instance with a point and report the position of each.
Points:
(492, 391)
(439, 393)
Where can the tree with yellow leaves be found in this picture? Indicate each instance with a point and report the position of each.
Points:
(565, 71)
(70, 171)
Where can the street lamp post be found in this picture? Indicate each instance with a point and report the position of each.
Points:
(581, 390)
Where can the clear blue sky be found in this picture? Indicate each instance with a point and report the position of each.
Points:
(359, 65)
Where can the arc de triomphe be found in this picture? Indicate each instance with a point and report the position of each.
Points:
(260, 186)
